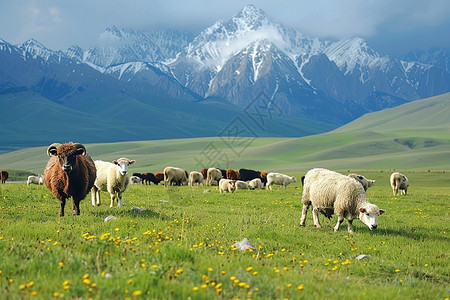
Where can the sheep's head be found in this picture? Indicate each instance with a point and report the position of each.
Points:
(122, 164)
(368, 214)
(66, 153)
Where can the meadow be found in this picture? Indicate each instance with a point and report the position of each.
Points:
(181, 245)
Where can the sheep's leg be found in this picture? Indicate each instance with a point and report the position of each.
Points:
(315, 212)
(350, 226)
(76, 206)
(304, 211)
(339, 222)
(119, 199)
(113, 197)
(97, 197)
(62, 204)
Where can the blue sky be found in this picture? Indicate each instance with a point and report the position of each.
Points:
(391, 27)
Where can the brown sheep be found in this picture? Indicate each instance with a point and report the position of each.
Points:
(233, 174)
(159, 177)
(70, 172)
(4, 175)
(204, 173)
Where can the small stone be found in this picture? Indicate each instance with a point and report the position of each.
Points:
(137, 209)
(206, 191)
(362, 256)
(111, 217)
(244, 244)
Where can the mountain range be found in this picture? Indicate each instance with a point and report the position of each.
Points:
(229, 66)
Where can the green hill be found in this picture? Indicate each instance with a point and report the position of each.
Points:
(30, 120)
(412, 136)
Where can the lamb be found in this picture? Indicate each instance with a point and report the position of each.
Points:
(366, 183)
(173, 175)
(70, 172)
(111, 177)
(213, 174)
(242, 185)
(399, 182)
(279, 179)
(195, 177)
(256, 184)
(35, 179)
(227, 185)
(330, 192)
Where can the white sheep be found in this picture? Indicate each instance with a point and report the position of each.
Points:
(111, 177)
(366, 183)
(399, 182)
(330, 192)
(242, 185)
(227, 185)
(213, 174)
(195, 177)
(175, 176)
(279, 179)
(256, 184)
(35, 179)
(135, 179)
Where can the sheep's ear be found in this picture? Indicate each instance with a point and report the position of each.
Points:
(115, 162)
(53, 152)
(362, 209)
(382, 211)
(132, 161)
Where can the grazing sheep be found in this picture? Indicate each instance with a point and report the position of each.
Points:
(366, 183)
(233, 174)
(159, 177)
(399, 182)
(213, 174)
(70, 172)
(279, 179)
(35, 179)
(204, 172)
(195, 178)
(227, 185)
(111, 177)
(256, 184)
(173, 175)
(242, 185)
(330, 192)
(135, 179)
(4, 175)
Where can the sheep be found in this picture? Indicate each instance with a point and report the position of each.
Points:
(366, 183)
(233, 174)
(195, 177)
(35, 179)
(227, 185)
(330, 192)
(280, 179)
(70, 172)
(242, 185)
(213, 174)
(399, 182)
(173, 175)
(111, 177)
(4, 175)
(159, 177)
(256, 184)
(135, 179)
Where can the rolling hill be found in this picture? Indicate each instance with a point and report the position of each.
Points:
(412, 136)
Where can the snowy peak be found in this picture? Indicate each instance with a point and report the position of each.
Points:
(249, 18)
(350, 53)
(36, 49)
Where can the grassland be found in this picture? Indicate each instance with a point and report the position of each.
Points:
(181, 246)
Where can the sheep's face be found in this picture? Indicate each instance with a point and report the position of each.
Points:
(122, 164)
(368, 214)
(67, 155)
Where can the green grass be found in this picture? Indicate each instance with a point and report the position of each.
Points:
(185, 242)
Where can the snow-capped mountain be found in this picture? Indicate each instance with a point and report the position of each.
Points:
(242, 58)
(118, 45)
